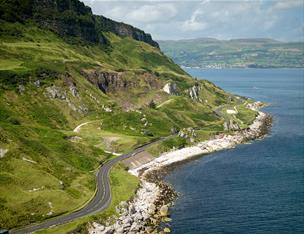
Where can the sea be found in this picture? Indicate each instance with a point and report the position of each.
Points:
(256, 187)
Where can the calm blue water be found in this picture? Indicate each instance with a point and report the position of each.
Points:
(255, 188)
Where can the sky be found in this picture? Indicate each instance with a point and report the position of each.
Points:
(222, 19)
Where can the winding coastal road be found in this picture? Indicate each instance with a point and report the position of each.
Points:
(99, 202)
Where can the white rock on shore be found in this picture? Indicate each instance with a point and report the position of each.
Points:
(136, 215)
(226, 142)
(133, 215)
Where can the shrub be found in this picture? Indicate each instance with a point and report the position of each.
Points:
(13, 120)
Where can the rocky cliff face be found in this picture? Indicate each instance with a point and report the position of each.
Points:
(194, 92)
(64, 17)
(69, 18)
(123, 30)
(105, 81)
(109, 82)
(170, 88)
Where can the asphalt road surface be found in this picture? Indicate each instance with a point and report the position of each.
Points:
(99, 202)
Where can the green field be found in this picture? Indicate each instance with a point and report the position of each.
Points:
(123, 186)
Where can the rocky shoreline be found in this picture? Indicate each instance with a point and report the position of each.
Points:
(148, 211)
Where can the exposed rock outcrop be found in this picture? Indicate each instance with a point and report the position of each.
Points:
(69, 82)
(3, 152)
(109, 82)
(194, 92)
(170, 88)
(74, 138)
(106, 108)
(66, 18)
(55, 92)
(37, 83)
(255, 106)
(73, 90)
(21, 88)
(187, 133)
(124, 30)
(231, 125)
(164, 211)
(174, 131)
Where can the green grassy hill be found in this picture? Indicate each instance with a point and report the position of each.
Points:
(51, 81)
(254, 53)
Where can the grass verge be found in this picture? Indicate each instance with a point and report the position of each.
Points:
(123, 187)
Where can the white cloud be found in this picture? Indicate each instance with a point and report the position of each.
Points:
(152, 13)
(135, 13)
(217, 14)
(193, 24)
(176, 19)
(117, 13)
(287, 4)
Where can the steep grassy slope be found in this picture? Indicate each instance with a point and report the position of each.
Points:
(49, 84)
(210, 52)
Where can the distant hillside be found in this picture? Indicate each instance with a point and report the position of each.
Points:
(253, 53)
